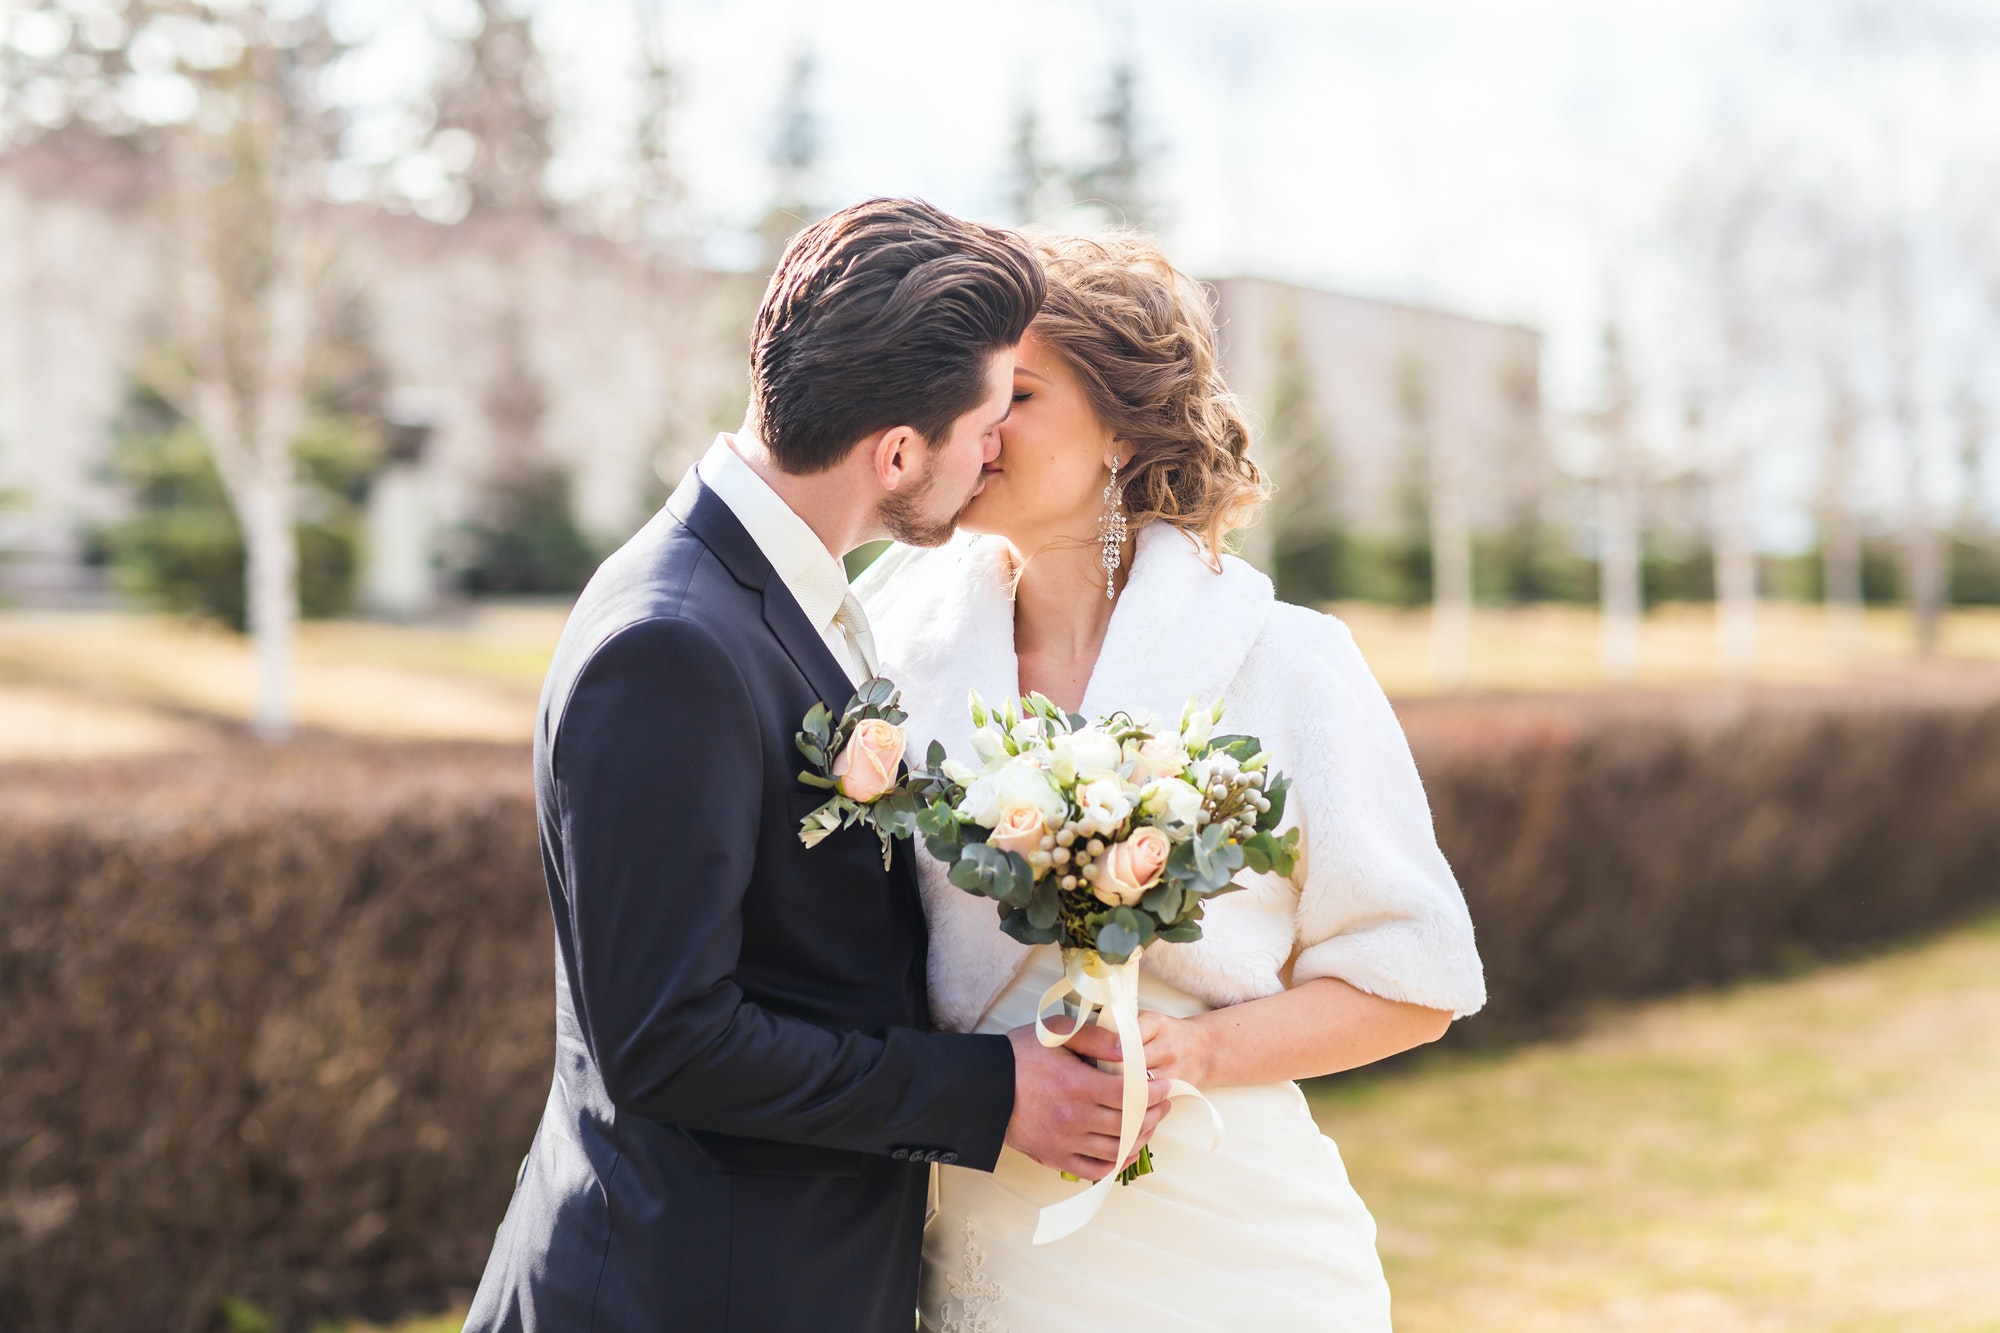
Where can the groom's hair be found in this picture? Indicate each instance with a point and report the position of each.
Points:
(883, 314)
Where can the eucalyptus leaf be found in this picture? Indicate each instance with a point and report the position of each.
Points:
(1240, 748)
(1274, 792)
(1115, 942)
(1163, 900)
(1017, 925)
(1044, 904)
(815, 780)
(1021, 875)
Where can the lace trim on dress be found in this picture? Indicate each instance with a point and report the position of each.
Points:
(974, 1294)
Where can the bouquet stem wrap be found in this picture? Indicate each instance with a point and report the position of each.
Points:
(1107, 989)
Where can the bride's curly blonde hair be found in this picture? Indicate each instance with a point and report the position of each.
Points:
(1140, 336)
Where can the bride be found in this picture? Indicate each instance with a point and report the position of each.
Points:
(1366, 950)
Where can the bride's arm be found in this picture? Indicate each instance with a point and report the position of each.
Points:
(1320, 1027)
(1385, 955)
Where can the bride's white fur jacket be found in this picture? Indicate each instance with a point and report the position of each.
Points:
(1371, 901)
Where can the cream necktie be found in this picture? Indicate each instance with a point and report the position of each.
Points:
(853, 622)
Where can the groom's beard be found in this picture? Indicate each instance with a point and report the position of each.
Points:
(903, 515)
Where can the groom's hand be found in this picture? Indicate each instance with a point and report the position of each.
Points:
(1066, 1109)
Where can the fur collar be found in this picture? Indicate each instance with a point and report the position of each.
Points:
(945, 621)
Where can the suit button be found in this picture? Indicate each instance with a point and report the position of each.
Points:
(900, 1154)
(947, 1157)
(931, 1155)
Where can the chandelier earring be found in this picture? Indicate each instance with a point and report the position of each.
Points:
(1111, 531)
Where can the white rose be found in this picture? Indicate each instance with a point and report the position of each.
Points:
(963, 774)
(1196, 728)
(989, 747)
(1171, 798)
(1086, 753)
(1103, 801)
(1213, 768)
(1019, 782)
(1030, 731)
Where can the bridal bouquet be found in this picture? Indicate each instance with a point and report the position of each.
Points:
(1102, 837)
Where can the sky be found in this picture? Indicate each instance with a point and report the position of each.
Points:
(1522, 160)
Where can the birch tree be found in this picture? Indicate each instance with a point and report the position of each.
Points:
(226, 98)
(1618, 514)
(252, 247)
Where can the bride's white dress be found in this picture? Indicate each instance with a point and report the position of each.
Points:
(1263, 1234)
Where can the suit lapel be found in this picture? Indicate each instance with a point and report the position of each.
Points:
(710, 518)
(805, 647)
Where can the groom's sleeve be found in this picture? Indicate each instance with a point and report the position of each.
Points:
(658, 784)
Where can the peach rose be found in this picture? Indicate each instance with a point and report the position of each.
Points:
(1127, 869)
(1020, 830)
(867, 767)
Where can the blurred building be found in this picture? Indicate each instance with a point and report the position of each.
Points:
(1354, 403)
(511, 343)
(500, 344)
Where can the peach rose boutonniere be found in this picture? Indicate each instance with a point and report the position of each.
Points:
(859, 758)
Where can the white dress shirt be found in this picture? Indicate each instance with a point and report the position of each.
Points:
(815, 577)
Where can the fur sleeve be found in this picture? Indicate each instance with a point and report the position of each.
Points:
(1378, 906)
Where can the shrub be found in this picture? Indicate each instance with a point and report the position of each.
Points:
(275, 1025)
(1637, 846)
(529, 541)
(274, 1030)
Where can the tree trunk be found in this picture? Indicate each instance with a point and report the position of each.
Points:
(1451, 568)
(272, 585)
(1923, 562)
(1840, 541)
(1735, 567)
(1618, 561)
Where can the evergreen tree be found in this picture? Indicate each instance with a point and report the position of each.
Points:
(1119, 181)
(795, 150)
(1311, 549)
(1029, 175)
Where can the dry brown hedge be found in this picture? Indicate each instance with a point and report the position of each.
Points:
(277, 1024)
(272, 1025)
(1624, 847)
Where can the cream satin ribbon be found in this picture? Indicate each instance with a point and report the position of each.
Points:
(1107, 988)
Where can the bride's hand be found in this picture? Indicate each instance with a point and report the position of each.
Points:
(1175, 1047)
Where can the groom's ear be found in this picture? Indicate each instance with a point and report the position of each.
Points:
(898, 457)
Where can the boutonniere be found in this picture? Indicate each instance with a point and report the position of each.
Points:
(859, 756)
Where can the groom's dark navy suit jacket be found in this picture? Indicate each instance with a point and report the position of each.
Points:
(745, 1091)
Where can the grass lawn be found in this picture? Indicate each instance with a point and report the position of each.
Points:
(1820, 1155)
(74, 684)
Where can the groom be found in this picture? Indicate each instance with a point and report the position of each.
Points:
(748, 1094)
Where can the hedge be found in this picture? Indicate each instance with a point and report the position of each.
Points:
(276, 1025)
(1628, 846)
